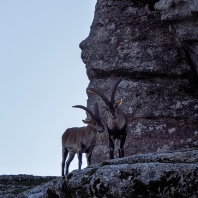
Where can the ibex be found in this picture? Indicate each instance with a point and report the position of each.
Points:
(117, 120)
(81, 140)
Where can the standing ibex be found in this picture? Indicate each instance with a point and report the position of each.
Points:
(117, 120)
(81, 140)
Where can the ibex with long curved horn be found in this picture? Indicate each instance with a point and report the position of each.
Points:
(117, 120)
(81, 140)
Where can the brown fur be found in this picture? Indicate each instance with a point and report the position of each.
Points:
(80, 140)
(72, 138)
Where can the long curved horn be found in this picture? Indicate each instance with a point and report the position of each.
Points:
(100, 94)
(86, 109)
(114, 89)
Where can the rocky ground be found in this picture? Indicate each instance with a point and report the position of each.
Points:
(12, 185)
(173, 174)
(167, 175)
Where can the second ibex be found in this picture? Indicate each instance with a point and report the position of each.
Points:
(117, 120)
(81, 139)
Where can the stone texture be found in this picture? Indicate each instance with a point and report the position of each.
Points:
(182, 16)
(12, 185)
(147, 43)
(52, 189)
(171, 174)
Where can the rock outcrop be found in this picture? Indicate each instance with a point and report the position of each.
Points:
(12, 185)
(182, 16)
(153, 46)
(152, 175)
(173, 174)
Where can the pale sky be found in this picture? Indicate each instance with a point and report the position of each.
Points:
(41, 77)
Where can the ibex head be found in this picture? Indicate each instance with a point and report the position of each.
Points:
(110, 105)
(95, 122)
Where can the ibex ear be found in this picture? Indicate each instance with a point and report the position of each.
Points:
(86, 121)
(119, 102)
(104, 107)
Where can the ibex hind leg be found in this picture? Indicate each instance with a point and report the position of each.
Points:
(121, 150)
(88, 156)
(64, 157)
(70, 158)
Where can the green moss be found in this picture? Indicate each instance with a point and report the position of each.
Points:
(85, 180)
(124, 175)
(168, 184)
(162, 186)
(101, 190)
(51, 194)
(21, 190)
(69, 176)
(105, 163)
(91, 172)
(25, 184)
(96, 182)
(66, 190)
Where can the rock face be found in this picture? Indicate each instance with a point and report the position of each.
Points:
(183, 19)
(152, 175)
(153, 45)
(144, 175)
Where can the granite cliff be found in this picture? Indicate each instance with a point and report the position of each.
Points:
(153, 46)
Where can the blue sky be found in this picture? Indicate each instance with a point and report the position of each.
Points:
(41, 77)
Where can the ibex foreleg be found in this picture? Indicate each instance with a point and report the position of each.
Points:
(111, 145)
